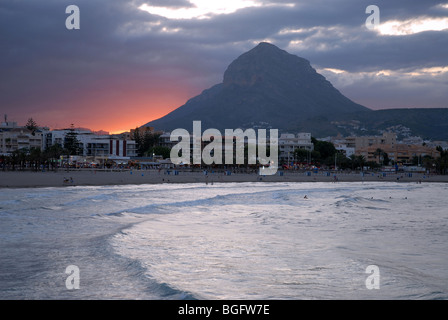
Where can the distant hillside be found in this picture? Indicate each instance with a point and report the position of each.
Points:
(427, 123)
(264, 87)
(267, 87)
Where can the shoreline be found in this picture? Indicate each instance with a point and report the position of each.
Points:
(28, 179)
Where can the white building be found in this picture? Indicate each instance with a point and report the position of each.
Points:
(14, 137)
(93, 145)
(346, 150)
(165, 141)
(288, 143)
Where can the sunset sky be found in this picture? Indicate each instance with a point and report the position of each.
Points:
(133, 61)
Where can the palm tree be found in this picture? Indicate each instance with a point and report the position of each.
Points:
(362, 161)
(52, 154)
(379, 152)
(352, 161)
(35, 158)
(14, 158)
(357, 161)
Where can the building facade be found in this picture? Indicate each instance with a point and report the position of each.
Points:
(388, 138)
(398, 154)
(288, 143)
(14, 137)
(100, 147)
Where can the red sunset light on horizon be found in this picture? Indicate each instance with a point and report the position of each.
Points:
(115, 112)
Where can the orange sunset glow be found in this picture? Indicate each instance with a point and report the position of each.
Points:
(122, 113)
(132, 62)
(113, 110)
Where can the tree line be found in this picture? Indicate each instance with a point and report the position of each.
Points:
(325, 153)
(148, 143)
(36, 158)
(33, 158)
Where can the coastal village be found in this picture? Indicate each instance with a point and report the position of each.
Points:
(31, 147)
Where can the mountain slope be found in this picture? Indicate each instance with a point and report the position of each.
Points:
(267, 87)
(264, 87)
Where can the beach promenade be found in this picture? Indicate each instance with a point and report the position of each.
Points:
(63, 178)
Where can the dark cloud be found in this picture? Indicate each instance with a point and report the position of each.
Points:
(365, 51)
(43, 64)
(393, 89)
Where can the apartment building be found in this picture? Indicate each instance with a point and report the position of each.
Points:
(93, 145)
(14, 137)
(288, 143)
(388, 138)
(399, 153)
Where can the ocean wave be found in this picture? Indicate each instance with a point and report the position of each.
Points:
(234, 241)
(135, 269)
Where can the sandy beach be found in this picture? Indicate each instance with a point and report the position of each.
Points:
(63, 178)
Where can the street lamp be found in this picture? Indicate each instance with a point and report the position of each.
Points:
(335, 157)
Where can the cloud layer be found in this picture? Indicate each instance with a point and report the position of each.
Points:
(127, 66)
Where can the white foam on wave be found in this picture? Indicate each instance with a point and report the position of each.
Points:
(232, 244)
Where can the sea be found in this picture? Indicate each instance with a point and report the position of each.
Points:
(243, 241)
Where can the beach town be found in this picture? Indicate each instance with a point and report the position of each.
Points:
(37, 156)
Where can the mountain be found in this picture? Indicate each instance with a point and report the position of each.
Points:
(428, 123)
(264, 87)
(267, 87)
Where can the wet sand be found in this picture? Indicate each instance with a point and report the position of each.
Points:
(98, 178)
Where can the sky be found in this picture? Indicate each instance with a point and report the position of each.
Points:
(133, 61)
